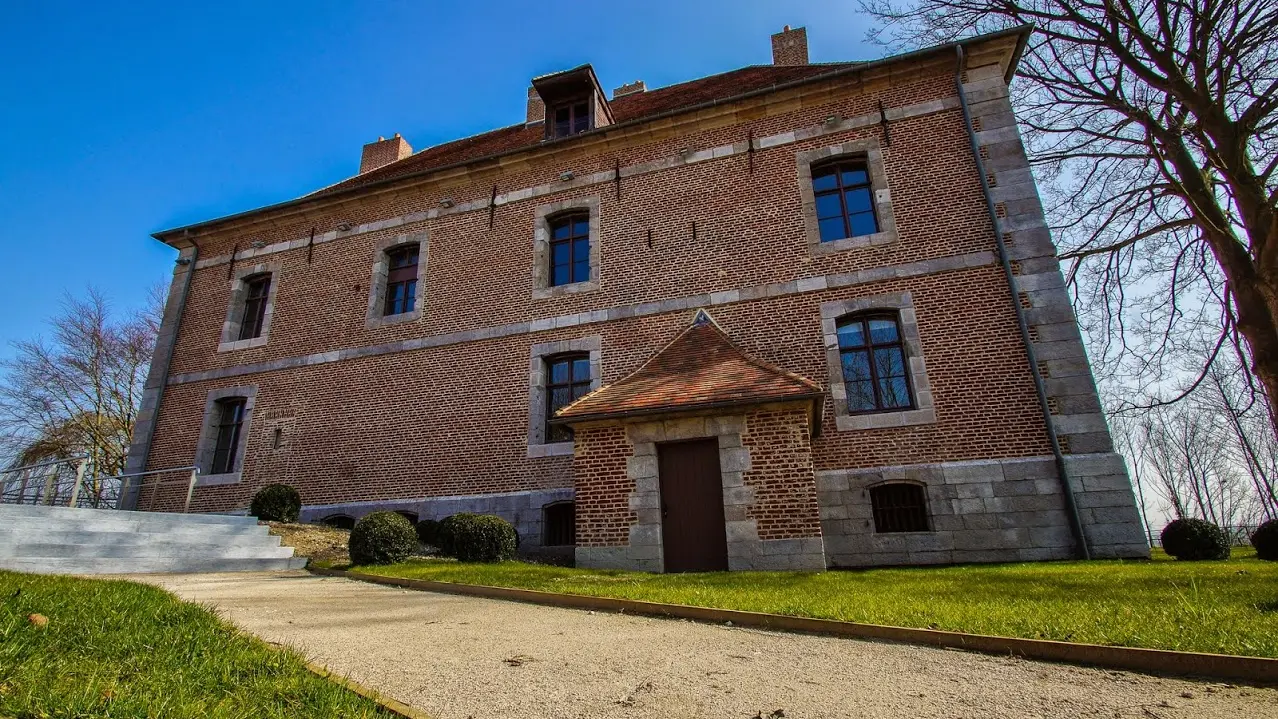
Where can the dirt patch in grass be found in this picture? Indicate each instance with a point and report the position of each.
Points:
(324, 545)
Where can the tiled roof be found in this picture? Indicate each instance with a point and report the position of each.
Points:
(626, 108)
(701, 368)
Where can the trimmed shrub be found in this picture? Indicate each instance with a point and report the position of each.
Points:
(444, 532)
(428, 532)
(483, 538)
(276, 503)
(1265, 540)
(1195, 539)
(382, 538)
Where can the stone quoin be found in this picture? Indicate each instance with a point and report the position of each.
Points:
(767, 319)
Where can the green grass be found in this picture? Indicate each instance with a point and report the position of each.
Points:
(119, 649)
(1222, 607)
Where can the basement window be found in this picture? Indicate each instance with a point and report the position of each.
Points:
(899, 507)
(559, 524)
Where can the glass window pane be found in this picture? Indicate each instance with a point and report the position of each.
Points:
(856, 366)
(860, 396)
(580, 390)
(560, 397)
(559, 275)
(894, 392)
(864, 224)
(852, 334)
(889, 362)
(581, 249)
(858, 200)
(559, 253)
(561, 114)
(828, 206)
(581, 227)
(854, 177)
(559, 372)
(581, 369)
(410, 295)
(883, 331)
(560, 230)
(581, 270)
(832, 229)
(824, 180)
(581, 109)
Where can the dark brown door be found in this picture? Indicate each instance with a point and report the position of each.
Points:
(692, 507)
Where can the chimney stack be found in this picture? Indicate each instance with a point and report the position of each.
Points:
(630, 89)
(383, 152)
(790, 47)
(536, 108)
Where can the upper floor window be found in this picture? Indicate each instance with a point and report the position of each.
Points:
(844, 200)
(257, 291)
(873, 360)
(559, 524)
(401, 280)
(567, 380)
(571, 118)
(226, 445)
(899, 507)
(569, 248)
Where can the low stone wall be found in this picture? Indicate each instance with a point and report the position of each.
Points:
(984, 511)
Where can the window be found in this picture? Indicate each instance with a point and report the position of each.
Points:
(872, 357)
(257, 290)
(401, 280)
(844, 200)
(899, 507)
(339, 521)
(230, 419)
(572, 118)
(410, 516)
(570, 248)
(559, 524)
(567, 379)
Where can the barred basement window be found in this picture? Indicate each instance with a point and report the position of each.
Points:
(569, 248)
(875, 370)
(229, 421)
(899, 507)
(339, 521)
(844, 200)
(257, 292)
(567, 380)
(401, 280)
(410, 516)
(559, 524)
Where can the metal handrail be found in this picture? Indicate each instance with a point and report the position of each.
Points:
(45, 464)
(49, 495)
(190, 488)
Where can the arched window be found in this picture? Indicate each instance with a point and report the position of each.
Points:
(226, 443)
(875, 368)
(899, 507)
(559, 524)
(569, 248)
(339, 521)
(844, 200)
(567, 380)
(257, 290)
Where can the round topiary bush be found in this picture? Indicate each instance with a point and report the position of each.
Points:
(276, 503)
(1194, 539)
(483, 538)
(382, 538)
(444, 532)
(1265, 540)
(428, 532)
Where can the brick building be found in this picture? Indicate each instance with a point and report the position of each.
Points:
(789, 316)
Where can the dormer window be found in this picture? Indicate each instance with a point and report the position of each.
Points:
(571, 118)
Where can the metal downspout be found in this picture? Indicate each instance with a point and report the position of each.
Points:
(1071, 506)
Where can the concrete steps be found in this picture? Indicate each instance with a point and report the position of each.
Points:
(64, 540)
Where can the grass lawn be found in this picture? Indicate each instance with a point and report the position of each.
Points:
(120, 649)
(1223, 607)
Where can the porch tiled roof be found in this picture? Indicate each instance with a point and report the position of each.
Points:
(701, 368)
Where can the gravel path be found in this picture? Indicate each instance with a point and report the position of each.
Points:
(458, 657)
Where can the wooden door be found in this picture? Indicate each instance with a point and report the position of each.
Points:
(692, 528)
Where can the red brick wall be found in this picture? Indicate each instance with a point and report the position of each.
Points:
(785, 502)
(603, 489)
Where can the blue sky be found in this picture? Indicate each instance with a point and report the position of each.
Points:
(117, 122)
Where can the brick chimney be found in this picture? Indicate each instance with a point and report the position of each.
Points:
(790, 47)
(536, 108)
(383, 152)
(630, 89)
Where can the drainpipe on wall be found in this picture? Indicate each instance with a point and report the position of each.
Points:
(1071, 505)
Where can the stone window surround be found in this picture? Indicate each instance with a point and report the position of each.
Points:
(537, 380)
(208, 435)
(230, 340)
(381, 266)
(866, 149)
(923, 411)
(542, 288)
(927, 503)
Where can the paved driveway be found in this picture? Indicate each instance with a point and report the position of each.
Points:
(466, 657)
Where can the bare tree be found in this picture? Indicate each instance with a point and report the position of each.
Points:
(1253, 444)
(79, 392)
(1155, 126)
